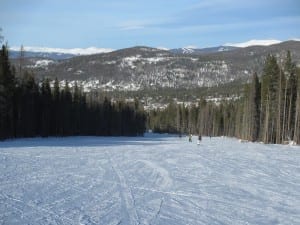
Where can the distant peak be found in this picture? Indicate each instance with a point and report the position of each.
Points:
(254, 43)
(73, 51)
(163, 48)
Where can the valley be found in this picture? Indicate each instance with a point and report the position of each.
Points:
(142, 70)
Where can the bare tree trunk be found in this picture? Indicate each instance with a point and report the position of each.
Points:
(284, 113)
(289, 132)
(297, 118)
(278, 122)
(266, 125)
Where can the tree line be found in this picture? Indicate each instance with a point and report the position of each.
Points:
(29, 108)
(268, 111)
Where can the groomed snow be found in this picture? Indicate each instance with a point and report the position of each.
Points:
(157, 179)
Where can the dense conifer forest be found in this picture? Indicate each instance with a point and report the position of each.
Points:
(29, 108)
(268, 110)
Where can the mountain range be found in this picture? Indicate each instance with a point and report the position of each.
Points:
(141, 67)
(63, 53)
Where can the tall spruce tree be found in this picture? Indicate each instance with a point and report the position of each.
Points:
(46, 106)
(269, 99)
(296, 137)
(56, 112)
(290, 97)
(254, 107)
(7, 91)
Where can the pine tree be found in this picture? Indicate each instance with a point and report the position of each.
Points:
(245, 132)
(280, 108)
(269, 99)
(1, 36)
(30, 110)
(46, 106)
(66, 107)
(76, 110)
(296, 137)
(178, 120)
(106, 119)
(21, 60)
(7, 91)
(56, 112)
(254, 108)
(290, 97)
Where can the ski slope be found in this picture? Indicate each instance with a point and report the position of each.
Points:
(156, 179)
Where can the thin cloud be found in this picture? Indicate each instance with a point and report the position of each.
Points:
(278, 21)
(143, 24)
(134, 27)
(224, 4)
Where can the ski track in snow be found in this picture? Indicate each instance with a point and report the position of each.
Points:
(156, 179)
(126, 193)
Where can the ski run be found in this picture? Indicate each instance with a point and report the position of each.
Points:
(156, 179)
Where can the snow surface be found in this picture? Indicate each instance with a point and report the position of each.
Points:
(156, 179)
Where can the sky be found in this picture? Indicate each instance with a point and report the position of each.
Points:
(119, 24)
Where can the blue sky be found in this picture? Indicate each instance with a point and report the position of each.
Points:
(157, 23)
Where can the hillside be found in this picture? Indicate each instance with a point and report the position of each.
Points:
(140, 68)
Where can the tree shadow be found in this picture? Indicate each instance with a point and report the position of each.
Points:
(85, 141)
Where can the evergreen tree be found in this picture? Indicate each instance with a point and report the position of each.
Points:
(7, 91)
(46, 106)
(290, 97)
(29, 109)
(254, 109)
(296, 137)
(76, 110)
(1, 36)
(269, 99)
(56, 112)
(66, 106)
(106, 118)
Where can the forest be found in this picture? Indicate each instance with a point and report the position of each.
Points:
(268, 110)
(29, 109)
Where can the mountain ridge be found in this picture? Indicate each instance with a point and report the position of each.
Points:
(143, 67)
(65, 53)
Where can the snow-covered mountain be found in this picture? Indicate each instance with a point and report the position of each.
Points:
(201, 51)
(65, 53)
(56, 53)
(227, 46)
(254, 43)
(142, 67)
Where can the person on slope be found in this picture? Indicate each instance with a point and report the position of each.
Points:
(199, 139)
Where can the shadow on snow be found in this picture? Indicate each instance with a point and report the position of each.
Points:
(87, 141)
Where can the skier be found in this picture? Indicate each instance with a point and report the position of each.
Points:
(190, 138)
(199, 139)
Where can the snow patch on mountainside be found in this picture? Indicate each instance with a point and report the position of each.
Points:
(254, 43)
(163, 48)
(41, 63)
